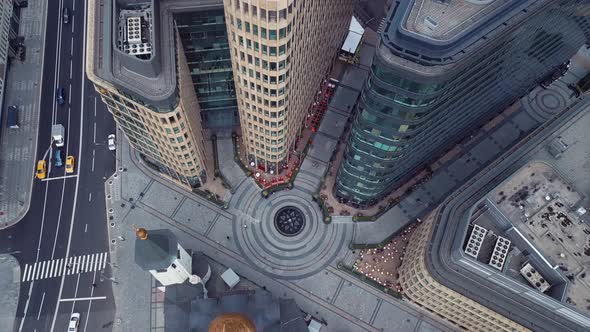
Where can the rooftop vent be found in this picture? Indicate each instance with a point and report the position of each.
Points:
(500, 253)
(475, 241)
(534, 278)
(135, 31)
(430, 23)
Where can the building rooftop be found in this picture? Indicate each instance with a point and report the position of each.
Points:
(435, 33)
(531, 198)
(445, 19)
(134, 47)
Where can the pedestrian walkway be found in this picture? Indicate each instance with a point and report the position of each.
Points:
(245, 238)
(9, 288)
(60, 267)
(18, 147)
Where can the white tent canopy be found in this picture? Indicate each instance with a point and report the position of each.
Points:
(355, 34)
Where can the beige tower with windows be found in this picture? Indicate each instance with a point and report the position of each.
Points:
(145, 82)
(420, 287)
(281, 50)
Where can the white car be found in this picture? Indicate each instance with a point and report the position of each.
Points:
(74, 322)
(112, 144)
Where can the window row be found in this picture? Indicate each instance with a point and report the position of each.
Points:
(267, 65)
(264, 33)
(263, 77)
(261, 13)
(262, 48)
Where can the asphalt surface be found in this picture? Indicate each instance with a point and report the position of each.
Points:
(67, 216)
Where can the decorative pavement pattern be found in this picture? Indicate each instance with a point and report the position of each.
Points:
(273, 253)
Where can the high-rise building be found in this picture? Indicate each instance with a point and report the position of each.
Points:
(157, 64)
(281, 50)
(442, 69)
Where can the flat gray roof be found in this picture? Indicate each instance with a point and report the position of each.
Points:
(443, 20)
(521, 304)
(154, 79)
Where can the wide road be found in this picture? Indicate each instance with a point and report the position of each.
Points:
(61, 243)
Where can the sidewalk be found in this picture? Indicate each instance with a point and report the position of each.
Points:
(308, 274)
(18, 149)
(10, 288)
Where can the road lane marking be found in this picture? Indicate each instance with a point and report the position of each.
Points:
(61, 177)
(57, 268)
(34, 270)
(60, 266)
(42, 270)
(75, 294)
(41, 306)
(69, 97)
(95, 107)
(25, 271)
(71, 51)
(82, 81)
(90, 200)
(83, 299)
(90, 302)
(94, 132)
(93, 153)
(86, 228)
(96, 263)
(71, 68)
(83, 264)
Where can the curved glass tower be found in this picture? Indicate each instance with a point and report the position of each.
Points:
(442, 69)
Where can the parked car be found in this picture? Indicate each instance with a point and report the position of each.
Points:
(41, 169)
(61, 96)
(66, 15)
(70, 164)
(57, 159)
(12, 119)
(112, 143)
(74, 322)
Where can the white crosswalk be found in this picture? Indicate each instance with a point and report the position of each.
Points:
(60, 267)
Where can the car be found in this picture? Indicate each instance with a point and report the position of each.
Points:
(66, 15)
(112, 143)
(61, 96)
(41, 169)
(74, 322)
(12, 119)
(70, 164)
(57, 159)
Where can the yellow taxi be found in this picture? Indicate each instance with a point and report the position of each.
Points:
(70, 164)
(41, 169)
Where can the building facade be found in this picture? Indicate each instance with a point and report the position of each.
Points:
(442, 69)
(281, 50)
(420, 287)
(204, 39)
(144, 79)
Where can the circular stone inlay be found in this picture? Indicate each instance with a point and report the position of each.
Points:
(550, 101)
(289, 221)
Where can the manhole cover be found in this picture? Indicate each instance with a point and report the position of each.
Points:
(289, 221)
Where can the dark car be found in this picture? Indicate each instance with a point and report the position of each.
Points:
(57, 158)
(66, 15)
(61, 96)
(12, 120)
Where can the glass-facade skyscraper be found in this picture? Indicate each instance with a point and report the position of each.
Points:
(204, 38)
(443, 68)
